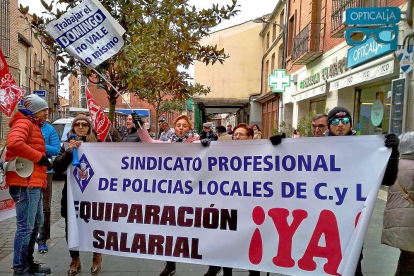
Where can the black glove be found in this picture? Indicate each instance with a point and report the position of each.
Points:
(49, 165)
(137, 120)
(392, 141)
(44, 162)
(277, 139)
(205, 142)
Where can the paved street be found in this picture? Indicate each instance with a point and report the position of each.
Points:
(379, 260)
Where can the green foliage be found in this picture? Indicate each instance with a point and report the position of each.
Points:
(304, 127)
(162, 38)
(284, 128)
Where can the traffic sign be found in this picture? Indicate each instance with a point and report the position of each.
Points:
(40, 93)
(372, 16)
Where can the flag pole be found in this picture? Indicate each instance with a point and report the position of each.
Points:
(102, 76)
(116, 90)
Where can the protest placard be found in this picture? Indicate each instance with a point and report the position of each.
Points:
(88, 32)
(7, 208)
(299, 208)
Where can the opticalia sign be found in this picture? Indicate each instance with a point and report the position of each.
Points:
(372, 16)
(371, 49)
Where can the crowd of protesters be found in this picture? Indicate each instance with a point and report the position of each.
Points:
(32, 138)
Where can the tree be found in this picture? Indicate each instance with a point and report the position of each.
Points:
(162, 102)
(162, 38)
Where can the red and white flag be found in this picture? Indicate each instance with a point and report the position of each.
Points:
(100, 122)
(10, 92)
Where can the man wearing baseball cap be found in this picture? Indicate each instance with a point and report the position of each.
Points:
(340, 124)
(25, 140)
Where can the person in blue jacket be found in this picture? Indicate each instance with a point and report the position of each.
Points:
(52, 142)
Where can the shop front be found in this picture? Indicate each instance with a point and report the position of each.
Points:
(367, 92)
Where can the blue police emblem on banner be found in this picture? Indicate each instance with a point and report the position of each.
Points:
(83, 173)
(405, 56)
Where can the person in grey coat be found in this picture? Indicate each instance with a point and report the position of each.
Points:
(398, 225)
(130, 134)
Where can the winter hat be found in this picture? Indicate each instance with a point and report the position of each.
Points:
(339, 112)
(34, 103)
(81, 116)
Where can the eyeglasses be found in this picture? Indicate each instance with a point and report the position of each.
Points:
(81, 124)
(239, 134)
(318, 126)
(344, 121)
(384, 35)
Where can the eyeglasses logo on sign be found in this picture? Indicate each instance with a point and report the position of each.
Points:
(368, 42)
(83, 173)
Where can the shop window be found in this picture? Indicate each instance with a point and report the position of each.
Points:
(372, 110)
(318, 105)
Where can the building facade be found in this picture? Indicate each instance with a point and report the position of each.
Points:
(233, 83)
(331, 73)
(77, 90)
(31, 65)
(268, 103)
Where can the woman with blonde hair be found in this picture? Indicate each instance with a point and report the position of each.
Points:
(83, 130)
(183, 133)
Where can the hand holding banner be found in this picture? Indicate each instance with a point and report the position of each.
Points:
(10, 92)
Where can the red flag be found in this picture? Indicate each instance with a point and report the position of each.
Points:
(10, 92)
(100, 122)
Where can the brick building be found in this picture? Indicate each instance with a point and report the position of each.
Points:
(101, 98)
(326, 72)
(30, 63)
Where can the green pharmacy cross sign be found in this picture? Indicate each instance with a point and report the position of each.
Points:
(279, 80)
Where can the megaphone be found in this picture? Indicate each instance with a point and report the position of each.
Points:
(75, 160)
(20, 165)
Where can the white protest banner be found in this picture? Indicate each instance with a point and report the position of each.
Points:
(289, 209)
(88, 32)
(7, 209)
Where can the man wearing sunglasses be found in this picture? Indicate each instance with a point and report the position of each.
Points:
(339, 124)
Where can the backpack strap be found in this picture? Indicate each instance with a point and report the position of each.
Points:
(404, 192)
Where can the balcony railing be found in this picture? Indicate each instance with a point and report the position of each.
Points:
(308, 44)
(339, 7)
(37, 68)
(46, 74)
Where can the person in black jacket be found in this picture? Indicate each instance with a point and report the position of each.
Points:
(208, 133)
(340, 124)
(82, 128)
(130, 134)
